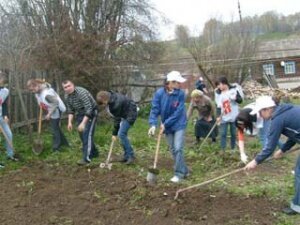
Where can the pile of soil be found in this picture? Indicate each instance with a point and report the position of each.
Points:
(44, 193)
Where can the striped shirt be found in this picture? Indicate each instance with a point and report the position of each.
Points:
(80, 102)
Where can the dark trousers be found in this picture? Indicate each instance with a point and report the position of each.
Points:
(203, 127)
(58, 138)
(87, 137)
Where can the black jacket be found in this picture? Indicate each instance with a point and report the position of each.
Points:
(121, 107)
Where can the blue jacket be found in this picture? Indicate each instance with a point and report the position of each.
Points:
(171, 109)
(285, 120)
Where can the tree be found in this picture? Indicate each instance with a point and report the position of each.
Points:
(80, 39)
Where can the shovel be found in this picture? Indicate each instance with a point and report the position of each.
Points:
(107, 163)
(38, 143)
(153, 172)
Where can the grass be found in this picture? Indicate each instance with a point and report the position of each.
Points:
(206, 163)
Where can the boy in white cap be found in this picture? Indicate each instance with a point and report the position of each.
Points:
(285, 119)
(168, 103)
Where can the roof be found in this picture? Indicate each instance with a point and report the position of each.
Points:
(278, 49)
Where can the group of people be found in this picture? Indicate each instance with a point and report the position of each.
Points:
(169, 115)
(266, 117)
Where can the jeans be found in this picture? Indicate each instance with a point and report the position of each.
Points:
(224, 127)
(122, 134)
(263, 133)
(176, 143)
(87, 137)
(8, 134)
(295, 204)
(59, 138)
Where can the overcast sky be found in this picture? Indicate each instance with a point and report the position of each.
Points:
(194, 13)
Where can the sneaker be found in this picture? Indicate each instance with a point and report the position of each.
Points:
(130, 161)
(12, 158)
(82, 162)
(289, 211)
(1, 166)
(121, 160)
(175, 179)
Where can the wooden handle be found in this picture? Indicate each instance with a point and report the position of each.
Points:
(6, 138)
(208, 181)
(157, 150)
(40, 120)
(110, 151)
(211, 130)
(223, 176)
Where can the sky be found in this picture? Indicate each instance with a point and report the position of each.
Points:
(194, 13)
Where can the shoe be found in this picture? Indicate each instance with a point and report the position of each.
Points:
(94, 155)
(1, 166)
(55, 150)
(187, 175)
(130, 161)
(12, 158)
(197, 141)
(175, 179)
(289, 211)
(82, 162)
(122, 160)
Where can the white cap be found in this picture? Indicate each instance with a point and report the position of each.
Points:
(262, 102)
(175, 76)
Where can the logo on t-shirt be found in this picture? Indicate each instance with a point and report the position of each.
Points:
(226, 107)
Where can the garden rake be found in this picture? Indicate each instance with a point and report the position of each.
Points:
(222, 176)
(107, 163)
(207, 182)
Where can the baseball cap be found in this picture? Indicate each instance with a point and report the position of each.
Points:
(175, 76)
(262, 102)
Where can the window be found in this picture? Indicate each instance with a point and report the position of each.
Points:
(268, 69)
(289, 68)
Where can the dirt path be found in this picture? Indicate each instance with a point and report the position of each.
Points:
(59, 194)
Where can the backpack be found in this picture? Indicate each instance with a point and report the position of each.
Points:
(239, 93)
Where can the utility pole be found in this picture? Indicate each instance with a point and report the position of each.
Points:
(242, 43)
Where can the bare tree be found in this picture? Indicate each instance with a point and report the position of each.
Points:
(80, 39)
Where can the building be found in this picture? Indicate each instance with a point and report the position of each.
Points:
(281, 59)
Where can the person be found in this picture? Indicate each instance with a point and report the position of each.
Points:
(199, 85)
(81, 104)
(285, 119)
(124, 112)
(168, 103)
(4, 120)
(228, 109)
(50, 102)
(206, 115)
(253, 125)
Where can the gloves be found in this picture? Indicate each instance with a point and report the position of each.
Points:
(244, 158)
(151, 131)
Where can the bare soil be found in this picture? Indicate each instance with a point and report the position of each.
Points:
(44, 193)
